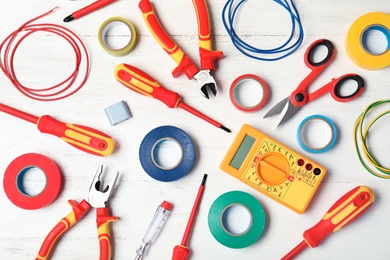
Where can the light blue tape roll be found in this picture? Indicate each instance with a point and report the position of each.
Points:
(158, 135)
(304, 144)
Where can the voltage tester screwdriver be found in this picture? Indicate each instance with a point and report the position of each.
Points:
(144, 84)
(82, 137)
(182, 251)
(344, 211)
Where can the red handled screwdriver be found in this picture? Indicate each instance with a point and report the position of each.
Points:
(82, 137)
(182, 251)
(144, 84)
(344, 211)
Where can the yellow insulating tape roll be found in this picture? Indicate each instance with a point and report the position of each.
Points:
(354, 41)
(106, 26)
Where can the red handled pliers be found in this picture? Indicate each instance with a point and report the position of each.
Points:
(97, 198)
(205, 81)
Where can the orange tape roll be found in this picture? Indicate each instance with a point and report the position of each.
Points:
(14, 174)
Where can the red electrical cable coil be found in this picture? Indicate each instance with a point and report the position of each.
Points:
(60, 90)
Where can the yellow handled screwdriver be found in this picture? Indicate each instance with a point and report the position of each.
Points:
(344, 211)
(142, 83)
(82, 137)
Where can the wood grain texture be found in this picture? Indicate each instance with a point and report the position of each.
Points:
(43, 59)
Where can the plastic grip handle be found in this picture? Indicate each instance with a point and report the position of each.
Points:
(82, 137)
(140, 82)
(207, 55)
(92, 7)
(103, 220)
(343, 212)
(185, 65)
(78, 212)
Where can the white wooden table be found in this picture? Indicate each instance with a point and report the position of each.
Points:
(137, 195)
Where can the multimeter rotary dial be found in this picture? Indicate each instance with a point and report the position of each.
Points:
(272, 168)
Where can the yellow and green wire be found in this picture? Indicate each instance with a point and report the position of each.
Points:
(361, 134)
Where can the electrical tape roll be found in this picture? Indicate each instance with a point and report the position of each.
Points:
(106, 25)
(239, 82)
(14, 174)
(301, 136)
(354, 41)
(255, 228)
(158, 135)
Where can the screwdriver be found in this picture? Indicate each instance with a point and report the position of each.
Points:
(82, 137)
(182, 251)
(144, 84)
(155, 226)
(344, 211)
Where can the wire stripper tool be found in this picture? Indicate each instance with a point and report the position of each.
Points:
(205, 81)
(97, 198)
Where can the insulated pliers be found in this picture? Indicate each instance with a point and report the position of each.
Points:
(97, 198)
(203, 77)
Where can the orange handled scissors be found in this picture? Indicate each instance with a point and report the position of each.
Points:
(97, 198)
(300, 96)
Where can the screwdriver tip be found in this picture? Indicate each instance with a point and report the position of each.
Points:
(204, 180)
(225, 129)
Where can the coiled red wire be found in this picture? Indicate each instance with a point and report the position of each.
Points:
(60, 90)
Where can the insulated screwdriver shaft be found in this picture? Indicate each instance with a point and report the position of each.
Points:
(343, 212)
(144, 84)
(83, 138)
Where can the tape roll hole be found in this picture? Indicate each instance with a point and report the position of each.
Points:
(248, 93)
(236, 219)
(316, 134)
(167, 153)
(376, 39)
(116, 35)
(31, 181)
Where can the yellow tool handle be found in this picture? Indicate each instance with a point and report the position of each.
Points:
(78, 212)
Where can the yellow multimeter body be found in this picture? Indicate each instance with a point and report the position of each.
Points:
(273, 169)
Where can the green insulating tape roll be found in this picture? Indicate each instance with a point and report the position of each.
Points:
(255, 227)
(106, 26)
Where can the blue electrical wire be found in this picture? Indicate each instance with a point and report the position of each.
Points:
(229, 13)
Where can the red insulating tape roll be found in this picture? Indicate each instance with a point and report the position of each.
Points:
(13, 181)
(239, 82)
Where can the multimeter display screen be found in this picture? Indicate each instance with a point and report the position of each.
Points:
(242, 151)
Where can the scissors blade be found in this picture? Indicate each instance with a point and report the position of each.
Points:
(278, 108)
(288, 112)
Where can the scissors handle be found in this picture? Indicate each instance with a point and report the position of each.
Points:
(313, 48)
(300, 96)
(335, 88)
(338, 84)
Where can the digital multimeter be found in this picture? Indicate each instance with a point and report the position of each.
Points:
(273, 169)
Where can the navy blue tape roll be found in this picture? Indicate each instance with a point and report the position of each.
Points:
(167, 133)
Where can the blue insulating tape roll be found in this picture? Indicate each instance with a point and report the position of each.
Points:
(167, 133)
(301, 138)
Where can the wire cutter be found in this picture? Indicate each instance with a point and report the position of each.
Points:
(97, 198)
(203, 77)
(300, 96)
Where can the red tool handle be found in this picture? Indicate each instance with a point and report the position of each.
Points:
(82, 137)
(103, 220)
(185, 65)
(92, 7)
(78, 212)
(300, 95)
(137, 80)
(207, 55)
(343, 212)
(144, 84)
